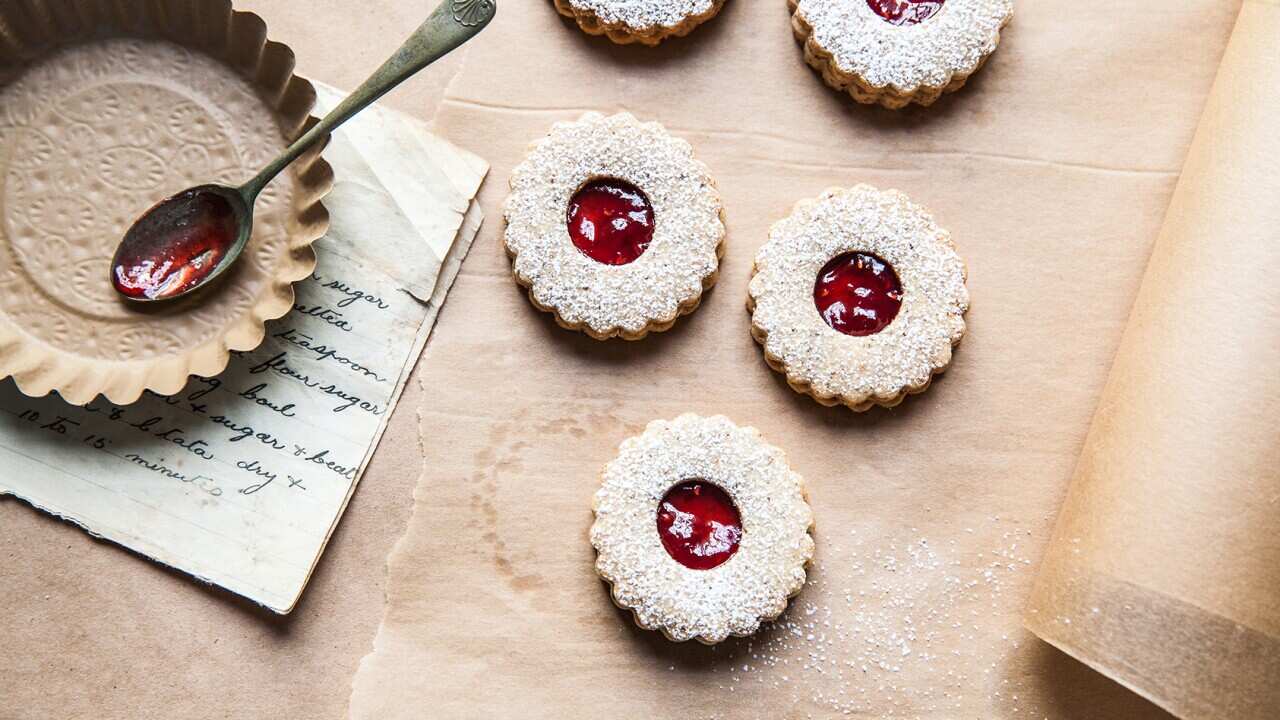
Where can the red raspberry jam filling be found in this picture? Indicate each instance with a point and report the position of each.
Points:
(699, 524)
(611, 221)
(858, 294)
(906, 12)
(175, 245)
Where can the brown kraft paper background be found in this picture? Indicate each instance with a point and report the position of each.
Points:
(1164, 569)
(1052, 170)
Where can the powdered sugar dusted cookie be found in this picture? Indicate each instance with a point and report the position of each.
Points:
(613, 226)
(643, 21)
(702, 529)
(896, 52)
(858, 298)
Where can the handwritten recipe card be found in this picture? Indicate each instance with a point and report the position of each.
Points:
(240, 479)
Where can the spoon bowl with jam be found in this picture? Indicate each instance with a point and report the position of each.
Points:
(187, 241)
(182, 243)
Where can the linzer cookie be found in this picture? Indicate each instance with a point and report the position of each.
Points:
(613, 226)
(858, 298)
(644, 21)
(897, 52)
(701, 529)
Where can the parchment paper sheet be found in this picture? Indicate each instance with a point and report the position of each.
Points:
(1164, 569)
(1052, 170)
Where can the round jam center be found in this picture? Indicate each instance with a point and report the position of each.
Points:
(858, 294)
(906, 12)
(699, 524)
(611, 221)
(175, 245)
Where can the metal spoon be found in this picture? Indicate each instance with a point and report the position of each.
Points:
(184, 242)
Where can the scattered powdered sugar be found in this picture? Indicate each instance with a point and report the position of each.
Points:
(896, 629)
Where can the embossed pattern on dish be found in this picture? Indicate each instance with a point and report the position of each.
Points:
(99, 148)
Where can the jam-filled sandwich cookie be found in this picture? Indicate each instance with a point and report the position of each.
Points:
(613, 226)
(858, 298)
(897, 52)
(701, 529)
(644, 21)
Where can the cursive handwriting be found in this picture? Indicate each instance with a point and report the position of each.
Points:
(352, 295)
(266, 477)
(327, 314)
(255, 394)
(177, 436)
(324, 352)
(279, 363)
(322, 459)
(244, 432)
(203, 482)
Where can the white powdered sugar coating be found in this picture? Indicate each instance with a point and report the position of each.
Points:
(643, 14)
(894, 624)
(606, 300)
(729, 599)
(878, 368)
(954, 42)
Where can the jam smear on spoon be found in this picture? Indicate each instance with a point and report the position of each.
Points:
(611, 221)
(858, 294)
(699, 524)
(175, 245)
(906, 12)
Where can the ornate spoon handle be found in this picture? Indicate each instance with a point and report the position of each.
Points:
(451, 24)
